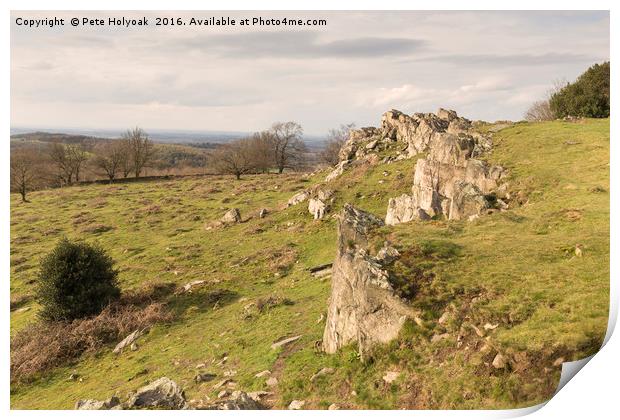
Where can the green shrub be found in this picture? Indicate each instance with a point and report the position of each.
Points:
(76, 280)
(587, 97)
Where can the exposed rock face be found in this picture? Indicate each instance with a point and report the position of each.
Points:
(363, 307)
(127, 341)
(162, 393)
(232, 216)
(450, 181)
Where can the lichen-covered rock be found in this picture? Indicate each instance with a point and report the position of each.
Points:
(231, 216)
(108, 404)
(300, 197)
(162, 393)
(363, 307)
(317, 208)
(338, 170)
(238, 400)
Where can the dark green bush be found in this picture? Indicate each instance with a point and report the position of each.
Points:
(76, 280)
(587, 97)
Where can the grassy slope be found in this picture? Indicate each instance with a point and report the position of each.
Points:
(519, 264)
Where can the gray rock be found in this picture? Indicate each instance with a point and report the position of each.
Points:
(300, 197)
(323, 372)
(363, 308)
(97, 405)
(285, 342)
(231, 216)
(162, 393)
(317, 208)
(390, 376)
(296, 405)
(499, 362)
(262, 213)
(238, 400)
(127, 341)
(204, 377)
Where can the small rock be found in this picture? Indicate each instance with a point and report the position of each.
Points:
(200, 365)
(272, 381)
(204, 377)
(97, 405)
(262, 213)
(443, 318)
(162, 393)
(258, 395)
(558, 361)
(285, 341)
(322, 372)
(230, 373)
(296, 405)
(24, 309)
(223, 394)
(222, 383)
(438, 337)
(578, 250)
(391, 376)
(499, 362)
(333, 406)
(190, 285)
(262, 374)
(231, 216)
(133, 347)
(489, 326)
(127, 341)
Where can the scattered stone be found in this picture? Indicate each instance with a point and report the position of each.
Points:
(238, 400)
(499, 362)
(223, 394)
(443, 318)
(127, 341)
(272, 381)
(300, 197)
(317, 208)
(390, 376)
(438, 337)
(262, 213)
(321, 271)
(322, 372)
(258, 395)
(231, 216)
(200, 365)
(262, 374)
(190, 285)
(74, 376)
(489, 326)
(285, 342)
(578, 250)
(97, 405)
(133, 347)
(162, 393)
(558, 361)
(333, 406)
(230, 373)
(296, 405)
(320, 319)
(204, 377)
(223, 382)
(24, 309)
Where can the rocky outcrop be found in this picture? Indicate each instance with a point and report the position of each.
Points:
(363, 307)
(450, 181)
(162, 393)
(300, 197)
(108, 404)
(238, 400)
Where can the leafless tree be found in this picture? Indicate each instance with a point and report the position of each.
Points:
(541, 110)
(111, 157)
(336, 138)
(287, 146)
(24, 168)
(140, 149)
(60, 158)
(260, 145)
(77, 156)
(233, 158)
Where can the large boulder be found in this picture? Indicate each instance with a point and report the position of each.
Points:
(162, 393)
(363, 307)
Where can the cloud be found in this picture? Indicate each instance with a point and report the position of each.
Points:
(298, 45)
(510, 59)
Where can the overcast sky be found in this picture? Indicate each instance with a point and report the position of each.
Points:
(485, 65)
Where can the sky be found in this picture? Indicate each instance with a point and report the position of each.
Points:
(485, 65)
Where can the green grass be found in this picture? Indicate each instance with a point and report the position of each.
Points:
(517, 266)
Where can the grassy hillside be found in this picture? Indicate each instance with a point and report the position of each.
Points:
(516, 269)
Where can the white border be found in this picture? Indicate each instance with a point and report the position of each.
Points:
(594, 391)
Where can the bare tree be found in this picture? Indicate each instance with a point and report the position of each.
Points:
(76, 156)
(111, 157)
(24, 170)
(61, 161)
(233, 158)
(260, 145)
(140, 149)
(541, 110)
(287, 147)
(336, 138)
